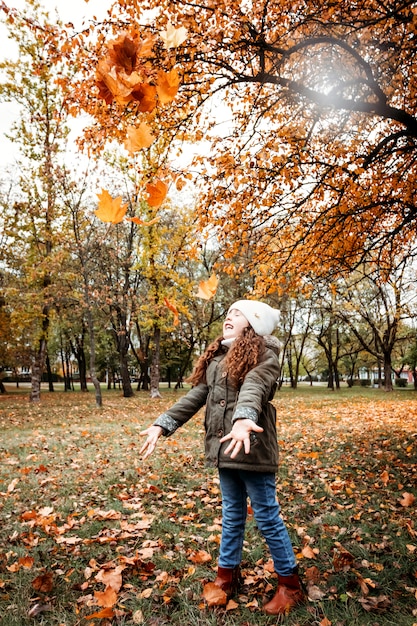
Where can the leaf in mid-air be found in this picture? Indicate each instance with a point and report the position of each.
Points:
(139, 222)
(157, 193)
(138, 138)
(167, 85)
(110, 209)
(173, 37)
(145, 95)
(208, 288)
(174, 310)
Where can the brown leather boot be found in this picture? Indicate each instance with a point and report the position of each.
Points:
(228, 579)
(289, 593)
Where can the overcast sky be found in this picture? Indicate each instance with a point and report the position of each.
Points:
(75, 11)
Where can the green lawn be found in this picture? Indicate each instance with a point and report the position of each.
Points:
(87, 528)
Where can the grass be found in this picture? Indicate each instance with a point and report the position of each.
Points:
(77, 503)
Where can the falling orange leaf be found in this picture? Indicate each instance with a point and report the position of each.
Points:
(213, 595)
(138, 138)
(146, 96)
(157, 193)
(110, 209)
(174, 309)
(208, 288)
(167, 85)
(120, 74)
(140, 222)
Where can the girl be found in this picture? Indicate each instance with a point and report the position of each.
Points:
(236, 379)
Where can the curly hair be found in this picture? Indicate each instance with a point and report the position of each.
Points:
(244, 354)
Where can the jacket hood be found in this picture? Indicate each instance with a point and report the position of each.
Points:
(273, 343)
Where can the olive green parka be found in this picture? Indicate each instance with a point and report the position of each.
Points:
(225, 404)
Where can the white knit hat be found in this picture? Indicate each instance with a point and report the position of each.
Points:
(262, 317)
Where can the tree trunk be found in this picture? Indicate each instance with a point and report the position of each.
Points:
(387, 372)
(49, 372)
(2, 387)
(91, 332)
(122, 348)
(155, 374)
(82, 369)
(38, 362)
(37, 370)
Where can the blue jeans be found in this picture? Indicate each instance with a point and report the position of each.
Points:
(236, 486)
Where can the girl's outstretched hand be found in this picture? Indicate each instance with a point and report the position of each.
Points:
(240, 435)
(153, 433)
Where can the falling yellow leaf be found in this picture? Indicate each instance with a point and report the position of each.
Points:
(138, 138)
(110, 209)
(173, 37)
(208, 288)
(167, 85)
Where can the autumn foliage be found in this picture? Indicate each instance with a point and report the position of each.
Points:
(313, 162)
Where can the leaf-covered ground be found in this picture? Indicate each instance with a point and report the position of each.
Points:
(90, 534)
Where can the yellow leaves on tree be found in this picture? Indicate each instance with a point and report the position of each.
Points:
(207, 288)
(110, 209)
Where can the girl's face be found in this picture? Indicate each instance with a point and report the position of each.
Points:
(234, 323)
